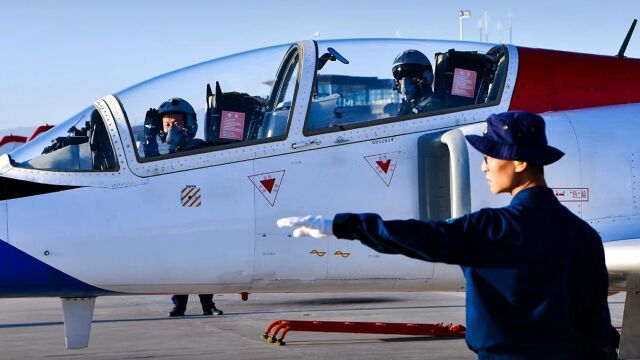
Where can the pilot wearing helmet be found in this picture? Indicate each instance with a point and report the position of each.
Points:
(175, 123)
(413, 78)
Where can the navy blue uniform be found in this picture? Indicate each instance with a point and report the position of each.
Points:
(535, 274)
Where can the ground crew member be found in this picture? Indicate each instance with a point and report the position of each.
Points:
(535, 273)
(206, 300)
(413, 76)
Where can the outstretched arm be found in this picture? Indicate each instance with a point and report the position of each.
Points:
(430, 241)
(480, 238)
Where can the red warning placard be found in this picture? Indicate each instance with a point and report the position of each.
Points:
(268, 184)
(232, 125)
(464, 83)
(384, 165)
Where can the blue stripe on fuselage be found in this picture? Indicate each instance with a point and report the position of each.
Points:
(22, 275)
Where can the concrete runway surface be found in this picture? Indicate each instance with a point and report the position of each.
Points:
(137, 327)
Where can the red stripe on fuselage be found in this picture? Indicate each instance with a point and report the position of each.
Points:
(550, 80)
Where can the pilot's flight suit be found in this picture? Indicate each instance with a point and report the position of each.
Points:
(428, 102)
(535, 274)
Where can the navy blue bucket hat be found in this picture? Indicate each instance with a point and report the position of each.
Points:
(516, 135)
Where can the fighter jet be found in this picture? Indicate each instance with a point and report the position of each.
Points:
(110, 203)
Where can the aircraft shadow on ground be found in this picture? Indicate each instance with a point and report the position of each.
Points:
(315, 310)
(329, 301)
(340, 300)
(60, 323)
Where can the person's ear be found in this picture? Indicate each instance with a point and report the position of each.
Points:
(520, 166)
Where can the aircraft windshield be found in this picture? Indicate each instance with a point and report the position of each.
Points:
(222, 103)
(78, 144)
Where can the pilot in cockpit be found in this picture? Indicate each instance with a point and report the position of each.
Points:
(175, 123)
(414, 77)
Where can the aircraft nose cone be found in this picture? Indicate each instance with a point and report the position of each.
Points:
(22, 275)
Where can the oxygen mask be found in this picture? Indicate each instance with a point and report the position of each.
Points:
(409, 88)
(176, 137)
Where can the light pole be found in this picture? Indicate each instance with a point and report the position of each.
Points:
(463, 14)
(486, 26)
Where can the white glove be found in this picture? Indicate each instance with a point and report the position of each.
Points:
(315, 226)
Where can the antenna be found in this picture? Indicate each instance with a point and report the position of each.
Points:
(623, 48)
(510, 15)
(463, 14)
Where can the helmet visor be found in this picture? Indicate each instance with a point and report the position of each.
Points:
(408, 70)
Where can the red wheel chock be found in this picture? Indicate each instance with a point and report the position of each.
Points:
(284, 326)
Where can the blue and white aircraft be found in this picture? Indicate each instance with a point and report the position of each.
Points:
(307, 127)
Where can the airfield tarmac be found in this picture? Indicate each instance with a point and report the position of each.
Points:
(137, 327)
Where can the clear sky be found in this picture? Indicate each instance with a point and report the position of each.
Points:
(57, 57)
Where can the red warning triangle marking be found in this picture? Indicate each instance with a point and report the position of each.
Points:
(384, 165)
(268, 184)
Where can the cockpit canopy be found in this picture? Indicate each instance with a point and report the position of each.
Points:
(248, 98)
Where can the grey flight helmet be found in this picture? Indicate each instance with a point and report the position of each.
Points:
(180, 106)
(413, 63)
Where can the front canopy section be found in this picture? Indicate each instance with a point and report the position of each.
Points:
(79, 144)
